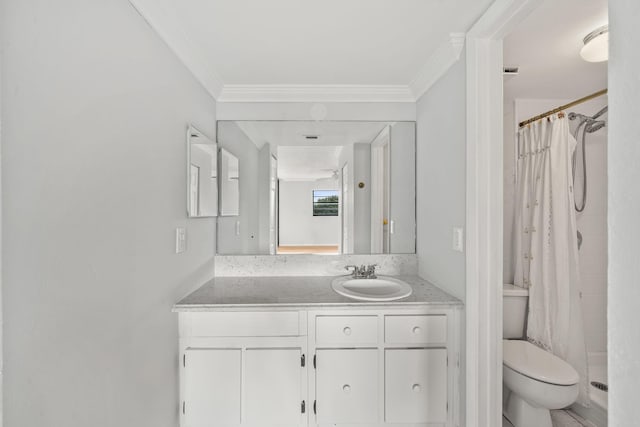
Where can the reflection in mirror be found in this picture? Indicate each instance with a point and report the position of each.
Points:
(229, 184)
(203, 187)
(320, 187)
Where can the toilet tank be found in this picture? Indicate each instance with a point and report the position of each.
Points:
(514, 311)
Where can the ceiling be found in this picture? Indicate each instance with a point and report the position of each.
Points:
(366, 50)
(302, 159)
(308, 163)
(294, 133)
(381, 46)
(546, 48)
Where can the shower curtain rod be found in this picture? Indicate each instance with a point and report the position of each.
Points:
(564, 107)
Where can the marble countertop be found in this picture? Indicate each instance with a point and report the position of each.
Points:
(291, 291)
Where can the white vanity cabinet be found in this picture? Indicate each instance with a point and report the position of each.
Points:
(354, 366)
(384, 367)
(243, 369)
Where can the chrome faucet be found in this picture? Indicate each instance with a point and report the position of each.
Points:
(363, 272)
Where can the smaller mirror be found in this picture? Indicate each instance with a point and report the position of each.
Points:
(202, 161)
(229, 184)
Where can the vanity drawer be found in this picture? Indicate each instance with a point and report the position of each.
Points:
(339, 330)
(422, 329)
(245, 324)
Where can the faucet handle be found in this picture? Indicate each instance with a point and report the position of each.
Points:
(371, 271)
(354, 267)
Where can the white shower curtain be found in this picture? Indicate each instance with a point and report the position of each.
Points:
(546, 243)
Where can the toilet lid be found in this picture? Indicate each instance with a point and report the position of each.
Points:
(536, 363)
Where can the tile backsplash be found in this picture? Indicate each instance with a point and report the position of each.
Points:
(311, 265)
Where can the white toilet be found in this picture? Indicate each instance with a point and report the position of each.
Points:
(533, 380)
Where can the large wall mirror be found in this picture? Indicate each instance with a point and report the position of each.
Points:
(202, 162)
(325, 187)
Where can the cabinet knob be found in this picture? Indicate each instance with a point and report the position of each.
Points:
(416, 388)
(416, 329)
(347, 330)
(346, 388)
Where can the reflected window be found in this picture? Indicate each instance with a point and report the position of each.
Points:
(325, 203)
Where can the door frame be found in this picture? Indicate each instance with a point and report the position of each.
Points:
(346, 213)
(484, 204)
(379, 187)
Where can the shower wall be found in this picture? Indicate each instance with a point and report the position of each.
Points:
(592, 222)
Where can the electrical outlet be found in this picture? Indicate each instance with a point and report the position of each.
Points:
(458, 240)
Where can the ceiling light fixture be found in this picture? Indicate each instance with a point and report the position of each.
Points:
(596, 45)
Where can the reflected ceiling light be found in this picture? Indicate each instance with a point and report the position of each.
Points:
(596, 45)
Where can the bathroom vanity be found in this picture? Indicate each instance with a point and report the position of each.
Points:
(289, 351)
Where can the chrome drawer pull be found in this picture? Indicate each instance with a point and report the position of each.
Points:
(346, 388)
(347, 330)
(416, 388)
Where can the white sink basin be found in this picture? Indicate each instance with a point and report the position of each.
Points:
(381, 289)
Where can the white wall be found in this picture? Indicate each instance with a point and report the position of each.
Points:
(624, 211)
(441, 172)
(2, 35)
(361, 172)
(508, 194)
(403, 188)
(94, 116)
(592, 222)
(441, 189)
(234, 140)
(298, 226)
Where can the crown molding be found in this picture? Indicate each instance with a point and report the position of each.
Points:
(316, 93)
(161, 21)
(438, 63)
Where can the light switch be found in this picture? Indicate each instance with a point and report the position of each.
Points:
(458, 239)
(181, 239)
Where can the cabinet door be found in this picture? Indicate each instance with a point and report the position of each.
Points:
(212, 387)
(347, 386)
(273, 392)
(416, 385)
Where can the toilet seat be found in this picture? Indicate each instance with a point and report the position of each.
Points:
(538, 364)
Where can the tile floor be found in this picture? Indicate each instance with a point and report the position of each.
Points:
(560, 419)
